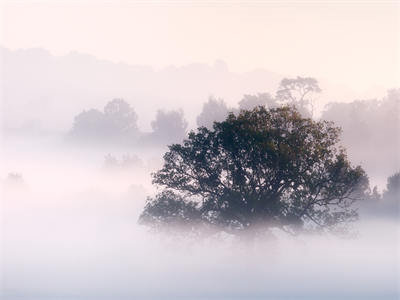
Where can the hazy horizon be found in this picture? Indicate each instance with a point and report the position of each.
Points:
(314, 38)
(84, 81)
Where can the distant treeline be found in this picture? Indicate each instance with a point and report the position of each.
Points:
(117, 123)
(370, 128)
(370, 131)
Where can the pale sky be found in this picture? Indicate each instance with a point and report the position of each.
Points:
(356, 43)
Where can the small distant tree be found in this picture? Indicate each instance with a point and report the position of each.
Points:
(299, 92)
(392, 191)
(110, 161)
(89, 123)
(391, 196)
(169, 126)
(15, 181)
(252, 101)
(385, 205)
(120, 117)
(118, 121)
(214, 110)
(172, 212)
(258, 170)
(15, 178)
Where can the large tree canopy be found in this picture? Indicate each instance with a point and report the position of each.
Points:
(258, 170)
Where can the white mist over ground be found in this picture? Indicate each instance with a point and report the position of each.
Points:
(69, 231)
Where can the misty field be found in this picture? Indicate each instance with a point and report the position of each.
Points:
(72, 233)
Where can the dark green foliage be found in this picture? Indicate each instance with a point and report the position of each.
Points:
(169, 210)
(260, 169)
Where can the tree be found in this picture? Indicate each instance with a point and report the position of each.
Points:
(169, 126)
(252, 101)
(118, 121)
(258, 170)
(298, 92)
(385, 205)
(120, 117)
(391, 196)
(392, 192)
(89, 123)
(214, 110)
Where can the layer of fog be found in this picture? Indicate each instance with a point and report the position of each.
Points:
(70, 231)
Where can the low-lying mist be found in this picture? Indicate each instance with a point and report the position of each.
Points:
(70, 231)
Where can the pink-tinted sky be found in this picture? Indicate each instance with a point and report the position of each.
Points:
(350, 42)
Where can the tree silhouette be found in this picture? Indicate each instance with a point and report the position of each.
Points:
(389, 206)
(258, 170)
(386, 205)
(299, 92)
(214, 110)
(169, 126)
(120, 117)
(118, 121)
(89, 123)
(261, 99)
(392, 191)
